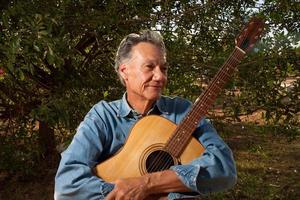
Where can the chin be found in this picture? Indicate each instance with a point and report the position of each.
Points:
(154, 97)
(153, 93)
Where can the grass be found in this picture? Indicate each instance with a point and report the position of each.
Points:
(268, 168)
(268, 164)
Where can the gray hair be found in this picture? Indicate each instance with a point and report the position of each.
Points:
(126, 45)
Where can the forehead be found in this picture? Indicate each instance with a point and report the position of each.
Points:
(147, 51)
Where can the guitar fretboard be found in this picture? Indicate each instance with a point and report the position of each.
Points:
(181, 137)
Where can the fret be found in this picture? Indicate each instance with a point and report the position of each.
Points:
(209, 97)
(216, 86)
(202, 107)
(208, 101)
(227, 69)
(226, 73)
(201, 110)
(236, 59)
(212, 95)
(220, 80)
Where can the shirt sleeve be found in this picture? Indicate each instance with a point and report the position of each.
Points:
(75, 178)
(213, 171)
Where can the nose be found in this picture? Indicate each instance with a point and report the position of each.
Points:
(158, 74)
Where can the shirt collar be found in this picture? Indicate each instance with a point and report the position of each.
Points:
(125, 109)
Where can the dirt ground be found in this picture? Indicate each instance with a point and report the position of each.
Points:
(268, 164)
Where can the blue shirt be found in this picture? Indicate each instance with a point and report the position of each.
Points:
(105, 129)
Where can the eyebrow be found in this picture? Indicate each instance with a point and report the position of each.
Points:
(165, 63)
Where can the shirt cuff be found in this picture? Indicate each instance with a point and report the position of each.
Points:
(188, 175)
(184, 195)
(105, 189)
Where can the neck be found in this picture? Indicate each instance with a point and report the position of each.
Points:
(142, 106)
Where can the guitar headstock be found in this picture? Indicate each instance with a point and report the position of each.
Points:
(250, 34)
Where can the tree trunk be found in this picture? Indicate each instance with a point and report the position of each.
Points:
(47, 142)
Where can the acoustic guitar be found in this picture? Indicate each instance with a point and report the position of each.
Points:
(156, 144)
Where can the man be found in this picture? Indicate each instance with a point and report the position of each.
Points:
(141, 65)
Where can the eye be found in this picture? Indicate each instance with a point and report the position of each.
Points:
(150, 66)
(164, 68)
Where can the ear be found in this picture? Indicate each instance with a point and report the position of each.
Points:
(123, 71)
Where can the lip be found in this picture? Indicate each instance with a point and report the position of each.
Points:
(155, 86)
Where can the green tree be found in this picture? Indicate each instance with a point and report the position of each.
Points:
(56, 62)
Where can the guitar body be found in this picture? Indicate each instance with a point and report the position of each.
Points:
(143, 148)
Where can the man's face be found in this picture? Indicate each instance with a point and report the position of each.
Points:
(145, 74)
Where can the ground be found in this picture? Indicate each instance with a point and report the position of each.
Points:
(268, 164)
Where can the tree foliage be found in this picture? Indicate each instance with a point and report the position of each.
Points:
(57, 57)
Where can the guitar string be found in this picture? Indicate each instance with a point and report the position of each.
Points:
(220, 76)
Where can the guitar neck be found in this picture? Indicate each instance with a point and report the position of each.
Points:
(182, 135)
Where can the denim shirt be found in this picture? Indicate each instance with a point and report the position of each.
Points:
(105, 129)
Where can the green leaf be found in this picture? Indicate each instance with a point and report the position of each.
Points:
(105, 94)
(50, 56)
(20, 75)
(290, 68)
(36, 48)
(42, 33)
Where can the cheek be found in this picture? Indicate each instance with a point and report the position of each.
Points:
(146, 76)
(165, 79)
(139, 79)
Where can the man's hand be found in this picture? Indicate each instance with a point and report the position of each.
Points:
(130, 189)
(152, 186)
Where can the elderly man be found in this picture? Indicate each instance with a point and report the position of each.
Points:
(141, 65)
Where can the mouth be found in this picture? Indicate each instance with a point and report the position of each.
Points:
(155, 86)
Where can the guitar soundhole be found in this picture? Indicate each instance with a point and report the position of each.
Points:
(159, 160)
